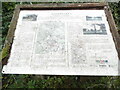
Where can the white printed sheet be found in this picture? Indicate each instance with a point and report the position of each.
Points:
(63, 42)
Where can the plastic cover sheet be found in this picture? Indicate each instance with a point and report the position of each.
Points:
(62, 42)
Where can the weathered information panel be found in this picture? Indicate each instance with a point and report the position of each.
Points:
(62, 42)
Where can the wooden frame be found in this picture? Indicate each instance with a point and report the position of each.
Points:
(62, 6)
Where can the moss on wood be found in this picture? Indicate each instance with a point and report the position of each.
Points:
(5, 51)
